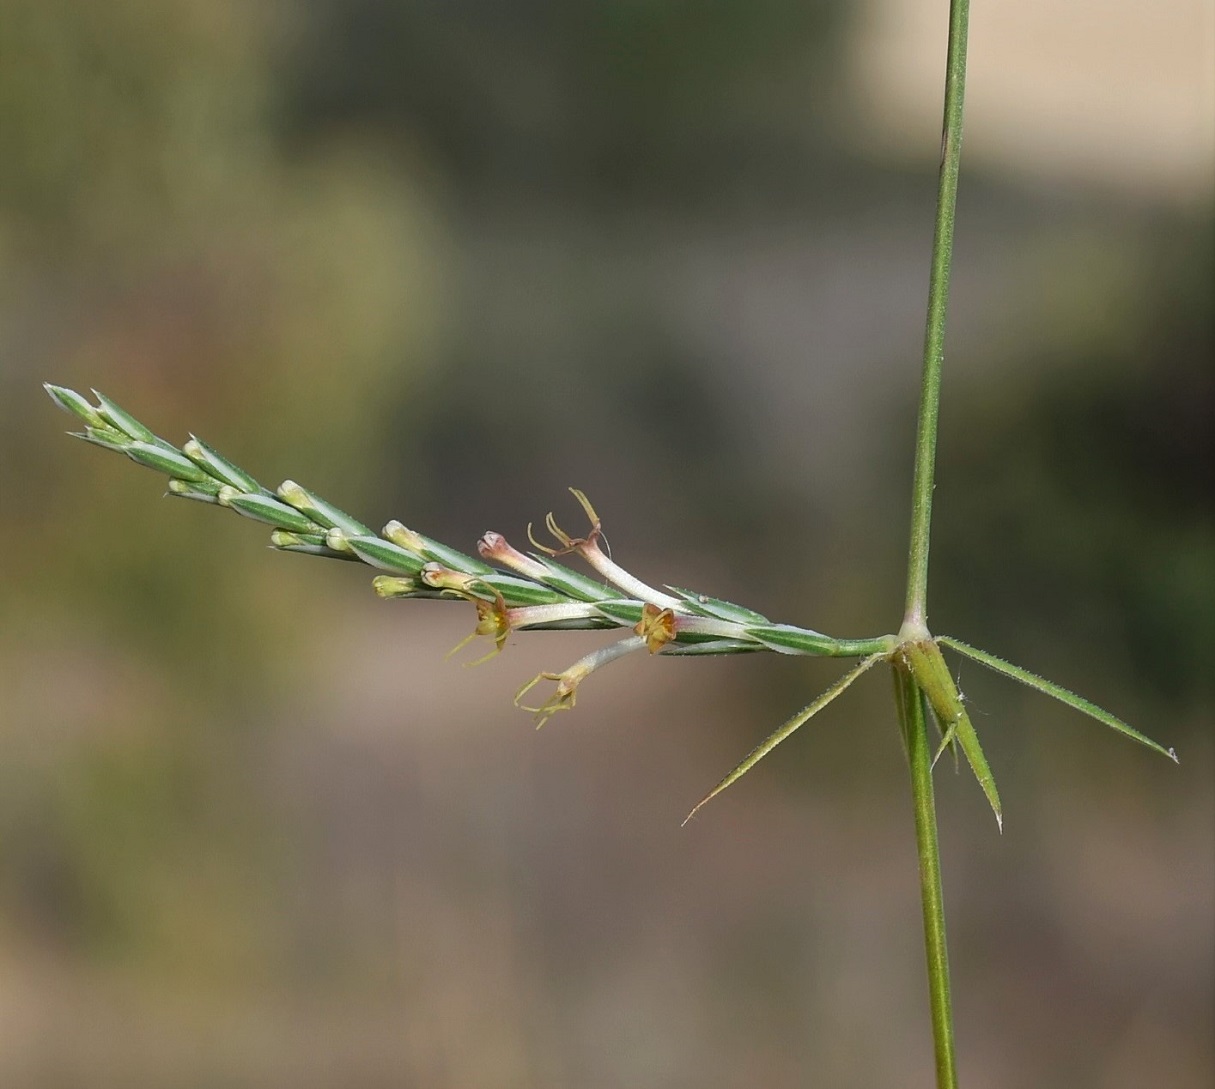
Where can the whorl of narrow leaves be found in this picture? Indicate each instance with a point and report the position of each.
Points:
(530, 591)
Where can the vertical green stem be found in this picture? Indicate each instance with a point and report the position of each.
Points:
(913, 719)
(916, 617)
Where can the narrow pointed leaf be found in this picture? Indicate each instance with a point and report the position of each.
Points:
(805, 714)
(1032, 680)
(933, 677)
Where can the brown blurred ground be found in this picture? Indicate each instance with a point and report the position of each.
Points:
(441, 262)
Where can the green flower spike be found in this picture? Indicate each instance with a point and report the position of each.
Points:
(514, 591)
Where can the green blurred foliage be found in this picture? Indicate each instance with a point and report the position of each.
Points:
(156, 241)
(1085, 496)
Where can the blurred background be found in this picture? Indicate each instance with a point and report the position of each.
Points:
(441, 261)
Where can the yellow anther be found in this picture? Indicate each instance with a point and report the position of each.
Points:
(656, 627)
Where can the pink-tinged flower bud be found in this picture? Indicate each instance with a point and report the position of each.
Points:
(494, 548)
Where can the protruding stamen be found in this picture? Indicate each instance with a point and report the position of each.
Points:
(566, 693)
(589, 549)
(656, 627)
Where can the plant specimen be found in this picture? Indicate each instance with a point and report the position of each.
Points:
(516, 590)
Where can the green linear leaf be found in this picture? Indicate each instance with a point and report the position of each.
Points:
(928, 666)
(805, 714)
(1049, 688)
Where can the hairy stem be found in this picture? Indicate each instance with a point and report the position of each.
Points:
(916, 616)
(914, 722)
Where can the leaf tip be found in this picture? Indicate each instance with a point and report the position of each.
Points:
(693, 811)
